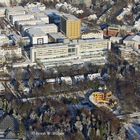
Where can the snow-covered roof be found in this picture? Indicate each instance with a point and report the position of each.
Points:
(136, 38)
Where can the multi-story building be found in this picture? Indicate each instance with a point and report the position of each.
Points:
(14, 18)
(18, 10)
(19, 24)
(8, 2)
(46, 28)
(92, 34)
(37, 36)
(42, 17)
(133, 41)
(11, 51)
(57, 38)
(56, 19)
(94, 50)
(52, 54)
(129, 54)
(71, 26)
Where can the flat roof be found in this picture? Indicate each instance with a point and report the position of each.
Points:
(136, 38)
(34, 20)
(35, 32)
(15, 8)
(70, 17)
(133, 38)
(50, 45)
(50, 11)
(40, 26)
(22, 15)
(91, 40)
(57, 35)
(128, 38)
(86, 31)
(40, 14)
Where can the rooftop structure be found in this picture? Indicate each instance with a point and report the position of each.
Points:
(37, 36)
(133, 41)
(46, 28)
(17, 10)
(56, 19)
(91, 34)
(58, 37)
(42, 16)
(36, 32)
(111, 31)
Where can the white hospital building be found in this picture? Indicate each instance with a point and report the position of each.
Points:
(93, 50)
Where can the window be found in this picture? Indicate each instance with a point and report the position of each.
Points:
(71, 50)
(40, 41)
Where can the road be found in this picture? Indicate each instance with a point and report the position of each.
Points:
(11, 28)
(133, 132)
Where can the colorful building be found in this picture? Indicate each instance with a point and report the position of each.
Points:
(71, 26)
(101, 97)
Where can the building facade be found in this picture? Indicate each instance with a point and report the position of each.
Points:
(11, 51)
(37, 36)
(14, 18)
(71, 26)
(74, 52)
(133, 41)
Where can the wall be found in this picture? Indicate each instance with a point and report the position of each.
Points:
(47, 52)
(34, 40)
(83, 51)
